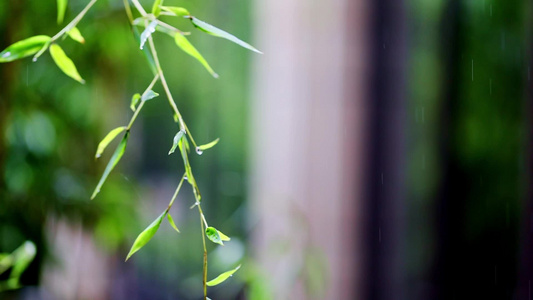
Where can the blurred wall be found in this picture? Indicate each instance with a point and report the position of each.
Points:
(308, 122)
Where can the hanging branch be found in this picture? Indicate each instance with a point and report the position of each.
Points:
(39, 44)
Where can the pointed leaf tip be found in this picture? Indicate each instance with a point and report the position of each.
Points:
(117, 155)
(149, 95)
(134, 100)
(223, 237)
(222, 277)
(171, 221)
(177, 11)
(212, 30)
(108, 138)
(65, 63)
(208, 145)
(216, 236)
(75, 34)
(145, 236)
(177, 139)
(188, 48)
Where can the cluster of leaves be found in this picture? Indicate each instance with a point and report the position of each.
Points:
(151, 23)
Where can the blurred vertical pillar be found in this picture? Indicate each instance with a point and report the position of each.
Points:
(308, 117)
(385, 183)
(526, 238)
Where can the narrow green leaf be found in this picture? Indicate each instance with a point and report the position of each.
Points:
(177, 139)
(212, 30)
(178, 11)
(145, 236)
(108, 138)
(187, 145)
(208, 145)
(171, 221)
(64, 63)
(185, 157)
(134, 100)
(75, 34)
(61, 8)
(146, 51)
(149, 95)
(183, 145)
(112, 163)
(24, 48)
(156, 9)
(223, 237)
(222, 277)
(148, 32)
(188, 48)
(213, 235)
(23, 257)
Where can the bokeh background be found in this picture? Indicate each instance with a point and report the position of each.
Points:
(379, 149)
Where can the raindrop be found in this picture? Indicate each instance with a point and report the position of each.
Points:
(199, 151)
(185, 178)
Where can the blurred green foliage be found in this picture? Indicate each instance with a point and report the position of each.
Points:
(468, 71)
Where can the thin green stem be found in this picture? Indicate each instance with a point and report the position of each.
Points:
(74, 22)
(190, 135)
(138, 110)
(174, 29)
(164, 83)
(139, 7)
(127, 7)
(202, 220)
(171, 101)
(202, 215)
(135, 114)
(66, 29)
(176, 192)
(182, 127)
